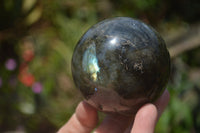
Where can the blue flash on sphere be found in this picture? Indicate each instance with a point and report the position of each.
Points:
(90, 62)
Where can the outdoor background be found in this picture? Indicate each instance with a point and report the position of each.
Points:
(37, 38)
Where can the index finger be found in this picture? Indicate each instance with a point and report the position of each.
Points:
(84, 120)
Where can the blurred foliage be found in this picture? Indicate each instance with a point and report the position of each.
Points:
(37, 39)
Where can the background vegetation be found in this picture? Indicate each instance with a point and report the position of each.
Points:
(37, 38)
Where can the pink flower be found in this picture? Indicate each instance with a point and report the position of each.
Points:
(10, 64)
(37, 87)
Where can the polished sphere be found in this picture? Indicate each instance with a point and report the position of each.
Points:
(120, 64)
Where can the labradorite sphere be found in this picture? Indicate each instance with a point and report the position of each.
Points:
(120, 64)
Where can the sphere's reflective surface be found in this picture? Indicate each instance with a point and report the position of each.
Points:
(120, 64)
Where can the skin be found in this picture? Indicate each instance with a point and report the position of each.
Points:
(85, 119)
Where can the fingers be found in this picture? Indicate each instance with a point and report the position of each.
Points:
(147, 116)
(114, 124)
(162, 102)
(83, 121)
(145, 119)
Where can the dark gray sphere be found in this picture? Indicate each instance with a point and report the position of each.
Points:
(120, 64)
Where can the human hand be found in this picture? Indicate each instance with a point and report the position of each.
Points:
(85, 119)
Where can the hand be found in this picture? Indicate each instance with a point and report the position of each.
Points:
(85, 119)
